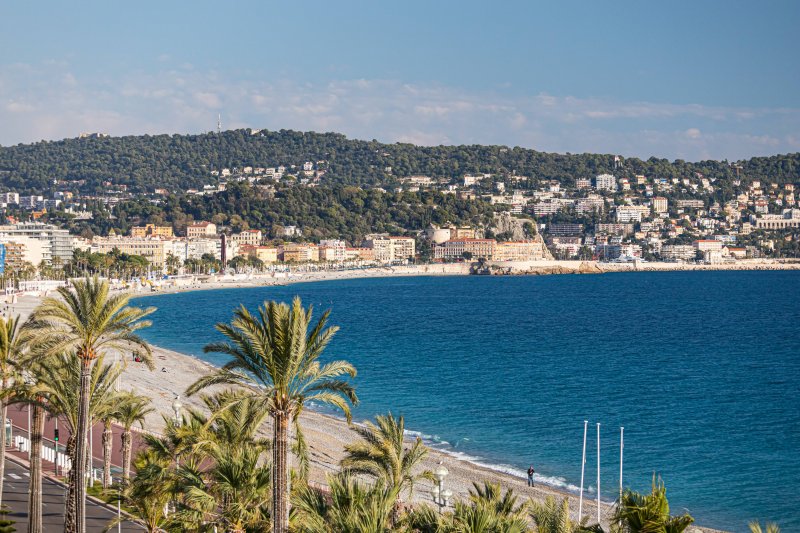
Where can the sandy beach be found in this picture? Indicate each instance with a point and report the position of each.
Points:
(326, 435)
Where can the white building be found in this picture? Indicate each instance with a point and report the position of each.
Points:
(605, 182)
(60, 240)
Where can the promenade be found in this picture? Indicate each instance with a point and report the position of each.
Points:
(15, 488)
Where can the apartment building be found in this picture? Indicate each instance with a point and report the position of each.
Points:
(59, 240)
(519, 251)
(388, 249)
(298, 252)
(201, 230)
(605, 182)
(249, 236)
(456, 248)
(151, 230)
(152, 249)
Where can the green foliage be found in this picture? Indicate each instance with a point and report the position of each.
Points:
(350, 507)
(772, 527)
(143, 163)
(335, 211)
(6, 524)
(382, 454)
(645, 513)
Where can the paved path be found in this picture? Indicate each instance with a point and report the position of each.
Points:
(15, 496)
(19, 418)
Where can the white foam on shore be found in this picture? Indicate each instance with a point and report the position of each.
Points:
(433, 441)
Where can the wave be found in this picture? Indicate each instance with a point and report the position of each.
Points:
(435, 442)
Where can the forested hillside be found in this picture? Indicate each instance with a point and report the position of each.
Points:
(178, 162)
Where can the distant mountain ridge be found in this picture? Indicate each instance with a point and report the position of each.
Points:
(179, 162)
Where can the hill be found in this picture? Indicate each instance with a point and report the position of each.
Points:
(180, 162)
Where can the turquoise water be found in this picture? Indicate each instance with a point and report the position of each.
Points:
(701, 368)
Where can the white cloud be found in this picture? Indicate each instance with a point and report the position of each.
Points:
(183, 99)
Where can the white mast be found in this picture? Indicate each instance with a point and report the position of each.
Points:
(621, 447)
(598, 472)
(583, 467)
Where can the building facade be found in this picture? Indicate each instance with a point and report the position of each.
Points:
(201, 230)
(60, 241)
(151, 230)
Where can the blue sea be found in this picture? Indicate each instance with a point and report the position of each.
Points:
(701, 368)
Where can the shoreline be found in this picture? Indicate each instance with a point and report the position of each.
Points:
(509, 268)
(328, 434)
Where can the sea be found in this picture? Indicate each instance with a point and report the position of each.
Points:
(702, 369)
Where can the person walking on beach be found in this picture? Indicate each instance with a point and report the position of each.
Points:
(531, 471)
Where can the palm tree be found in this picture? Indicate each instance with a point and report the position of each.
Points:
(148, 493)
(234, 491)
(487, 510)
(350, 507)
(278, 353)
(503, 503)
(552, 517)
(772, 527)
(642, 513)
(132, 409)
(35, 481)
(87, 320)
(382, 454)
(58, 385)
(215, 465)
(107, 416)
(13, 340)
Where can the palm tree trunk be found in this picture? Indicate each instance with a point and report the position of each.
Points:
(35, 482)
(126, 454)
(280, 473)
(107, 447)
(3, 413)
(81, 445)
(69, 501)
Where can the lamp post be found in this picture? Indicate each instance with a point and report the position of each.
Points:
(441, 495)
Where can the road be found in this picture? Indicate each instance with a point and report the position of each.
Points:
(15, 496)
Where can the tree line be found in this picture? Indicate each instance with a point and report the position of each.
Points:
(179, 162)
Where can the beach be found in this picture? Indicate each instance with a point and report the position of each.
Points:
(326, 435)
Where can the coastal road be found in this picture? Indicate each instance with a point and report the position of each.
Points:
(15, 496)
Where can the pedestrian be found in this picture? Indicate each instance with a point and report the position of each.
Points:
(531, 471)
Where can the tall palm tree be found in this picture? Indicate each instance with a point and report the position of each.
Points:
(132, 409)
(642, 513)
(382, 453)
(108, 415)
(278, 351)
(35, 471)
(58, 384)
(13, 340)
(88, 320)
(27, 391)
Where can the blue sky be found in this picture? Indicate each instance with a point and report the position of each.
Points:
(691, 80)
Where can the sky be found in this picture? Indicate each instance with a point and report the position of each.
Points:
(700, 79)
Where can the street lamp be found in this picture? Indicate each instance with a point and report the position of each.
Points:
(176, 408)
(441, 495)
